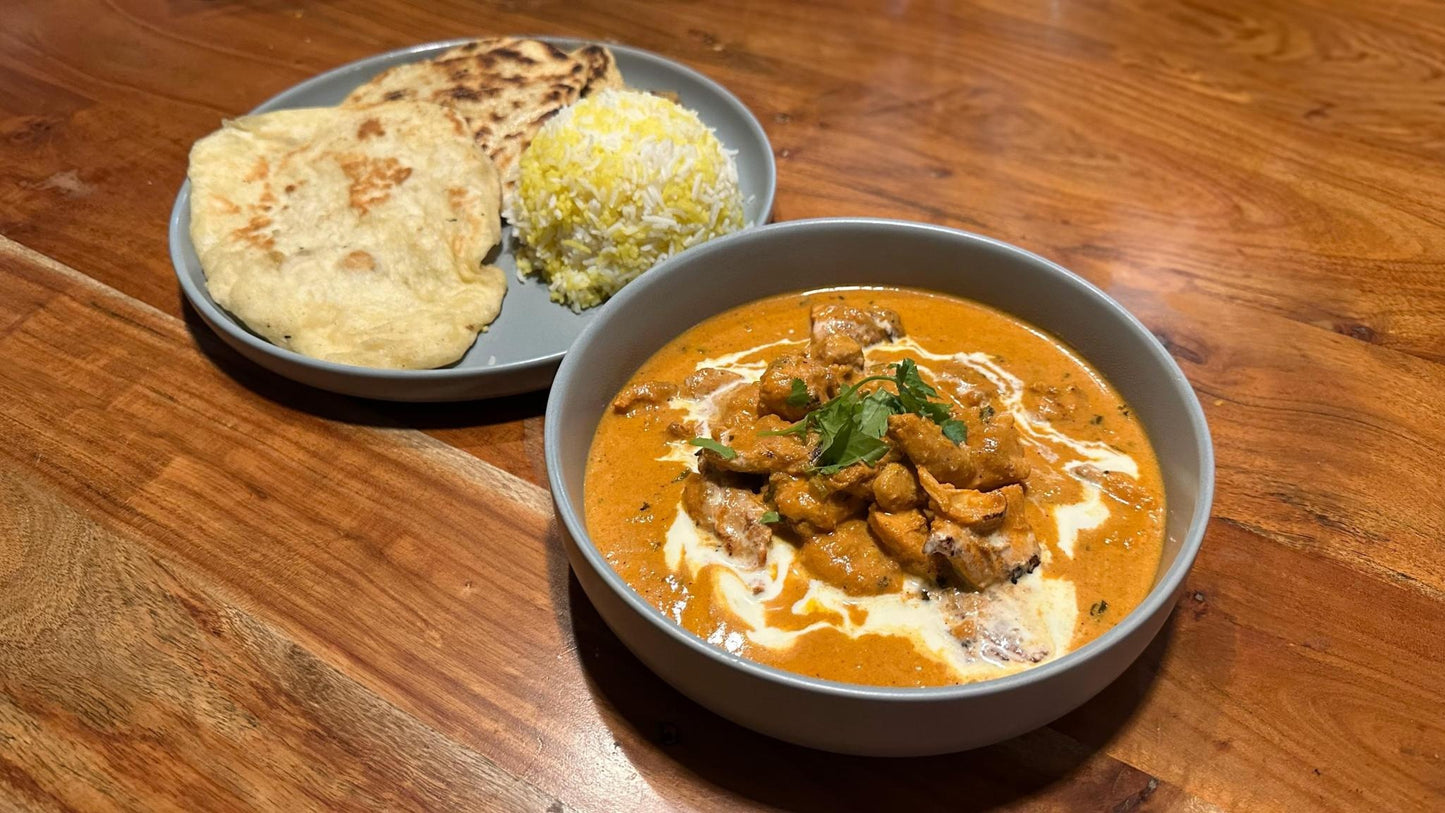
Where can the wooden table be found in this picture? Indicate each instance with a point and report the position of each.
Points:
(222, 590)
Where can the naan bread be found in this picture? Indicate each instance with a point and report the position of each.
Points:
(506, 88)
(355, 236)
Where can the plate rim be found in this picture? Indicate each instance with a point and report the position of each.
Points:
(218, 319)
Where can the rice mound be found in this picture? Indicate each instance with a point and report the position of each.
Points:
(613, 185)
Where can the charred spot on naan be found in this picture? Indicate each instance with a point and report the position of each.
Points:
(258, 172)
(457, 196)
(601, 68)
(370, 128)
(254, 232)
(465, 94)
(372, 179)
(359, 261)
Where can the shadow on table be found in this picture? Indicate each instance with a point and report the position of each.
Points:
(348, 409)
(649, 717)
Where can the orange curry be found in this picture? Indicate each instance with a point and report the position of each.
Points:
(880, 486)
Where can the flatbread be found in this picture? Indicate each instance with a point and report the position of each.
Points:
(351, 235)
(506, 88)
(602, 70)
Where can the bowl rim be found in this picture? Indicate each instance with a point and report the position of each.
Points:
(220, 319)
(1162, 594)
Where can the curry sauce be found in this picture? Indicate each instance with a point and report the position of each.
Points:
(811, 569)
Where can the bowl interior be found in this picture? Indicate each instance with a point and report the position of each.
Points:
(805, 255)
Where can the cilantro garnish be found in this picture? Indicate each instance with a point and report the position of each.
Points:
(955, 430)
(770, 518)
(798, 396)
(850, 427)
(725, 452)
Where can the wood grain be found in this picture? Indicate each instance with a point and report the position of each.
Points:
(102, 644)
(428, 577)
(1292, 682)
(221, 589)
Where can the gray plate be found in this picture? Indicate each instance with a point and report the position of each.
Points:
(521, 350)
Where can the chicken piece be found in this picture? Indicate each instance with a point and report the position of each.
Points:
(738, 406)
(848, 557)
(739, 427)
(757, 453)
(895, 488)
(997, 454)
(866, 326)
(856, 479)
(981, 511)
(837, 349)
(707, 381)
(733, 514)
(984, 632)
(809, 505)
(983, 560)
(968, 387)
(924, 443)
(903, 535)
(991, 458)
(643, 395)
(843, 357)
(775, 388)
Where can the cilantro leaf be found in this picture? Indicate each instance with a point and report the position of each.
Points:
(874, 411)
(916, 395)
(849, 429)
(835, 425)
(859, 448)
(725, 452)
(955, 430)
(798, 397)
(770, 518)
(906, 373)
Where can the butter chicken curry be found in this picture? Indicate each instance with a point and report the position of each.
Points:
(878, 486)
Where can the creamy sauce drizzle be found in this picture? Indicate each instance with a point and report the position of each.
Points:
(1038, 612)
(700, 411)
(1011, 392)
(1084, 515)
(733, 362)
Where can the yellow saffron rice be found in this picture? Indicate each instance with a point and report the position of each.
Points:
(615, 184)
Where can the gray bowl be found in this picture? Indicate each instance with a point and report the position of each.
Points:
(796, 256)
(521, 349)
